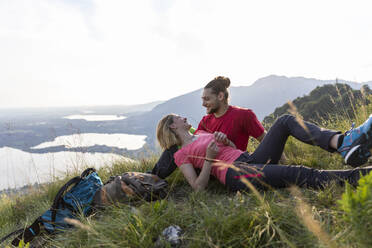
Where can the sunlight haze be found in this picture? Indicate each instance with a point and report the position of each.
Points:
(67, 53)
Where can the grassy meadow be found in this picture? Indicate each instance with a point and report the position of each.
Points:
(339, 216)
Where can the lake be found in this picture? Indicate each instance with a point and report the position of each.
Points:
(19, 168)
(120, 140)
(95, 117)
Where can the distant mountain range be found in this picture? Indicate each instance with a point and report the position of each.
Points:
(56, 112)
(263, 96)
(25, 128)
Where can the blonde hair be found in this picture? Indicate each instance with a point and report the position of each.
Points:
(165, 135)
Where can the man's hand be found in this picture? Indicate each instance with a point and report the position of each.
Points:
(221, 138)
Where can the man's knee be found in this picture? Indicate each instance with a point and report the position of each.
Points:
(283, 119)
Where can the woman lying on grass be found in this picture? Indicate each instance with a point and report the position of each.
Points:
(212, 152)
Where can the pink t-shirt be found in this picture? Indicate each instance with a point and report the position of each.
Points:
(237, 123)
(195, 152)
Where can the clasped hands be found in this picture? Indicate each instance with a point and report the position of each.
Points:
(212, 149)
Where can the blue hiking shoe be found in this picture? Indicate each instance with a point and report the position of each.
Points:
(357, 143)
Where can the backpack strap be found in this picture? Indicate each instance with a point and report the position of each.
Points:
(10, 235)
(27, 234)
(87, 172)
(58, 199)
(34, 229)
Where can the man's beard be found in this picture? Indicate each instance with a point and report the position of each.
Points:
(214, 109)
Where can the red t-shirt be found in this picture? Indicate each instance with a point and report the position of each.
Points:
(237, 123)
(195, 152)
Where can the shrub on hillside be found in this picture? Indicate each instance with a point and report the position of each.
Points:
(357, 207)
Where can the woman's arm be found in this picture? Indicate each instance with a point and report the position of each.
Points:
(200, 182)
(197, 182)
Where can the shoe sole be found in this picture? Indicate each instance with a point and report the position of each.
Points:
(357, 156)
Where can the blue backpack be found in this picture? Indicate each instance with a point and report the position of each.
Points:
(66, 204)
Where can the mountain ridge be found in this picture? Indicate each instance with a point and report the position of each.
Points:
(263, 96)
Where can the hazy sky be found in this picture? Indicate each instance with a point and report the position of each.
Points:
(81, 52)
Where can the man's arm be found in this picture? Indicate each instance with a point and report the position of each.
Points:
(260, 138)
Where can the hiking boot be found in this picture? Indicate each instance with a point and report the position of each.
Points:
(357, 143)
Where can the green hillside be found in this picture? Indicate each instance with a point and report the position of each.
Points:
(335, 217)
(325, 103)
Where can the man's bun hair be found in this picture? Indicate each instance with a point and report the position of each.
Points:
(223, 81)
(219, 84)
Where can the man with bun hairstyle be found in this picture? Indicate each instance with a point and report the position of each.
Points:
(235, 123)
